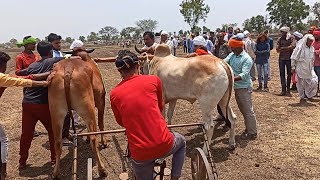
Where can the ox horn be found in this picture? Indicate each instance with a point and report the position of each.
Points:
(138, 51)
(68, 52)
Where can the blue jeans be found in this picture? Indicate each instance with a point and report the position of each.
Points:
(143, 170)
(283, 65)
(265, 74)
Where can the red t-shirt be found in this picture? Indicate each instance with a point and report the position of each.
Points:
(316, 46)
(24, 60)
(137, 104)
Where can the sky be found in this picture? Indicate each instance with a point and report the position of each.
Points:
(74, 18)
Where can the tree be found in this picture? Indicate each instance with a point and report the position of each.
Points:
(13, 41)
(146, 25)
(193, 11)
(287, 12)
(137, 33)
(108, 32)
(180, 32)
(316, 9)
(205, 29)
(69, 40)
(197, 29)
(255, 23)
(93, 37)
(82, 38)
(127, 32)
(301, 27)
(225, 26)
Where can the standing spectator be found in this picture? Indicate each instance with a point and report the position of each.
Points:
(9, 81)
(165, 40)
(270, 41)
(35, 105)
(302, 60)
(249, 48)
(241, 64)
(209, 44)
(212, 37)
(175, 45)
(221, 49)
(285, 45)
(262, 51)
(27, 56)
(297, 37)
(229, 34)
(190, 44)
(316, 45)
(55, 40)
(185, 47)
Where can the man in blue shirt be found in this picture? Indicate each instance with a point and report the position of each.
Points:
(55, 40)
(241, 64)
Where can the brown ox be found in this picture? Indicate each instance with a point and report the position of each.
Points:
(77, 85)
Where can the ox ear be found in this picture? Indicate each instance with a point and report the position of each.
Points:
(89, 50)
(68, 52)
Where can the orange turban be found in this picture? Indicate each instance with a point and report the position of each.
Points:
(234, 43)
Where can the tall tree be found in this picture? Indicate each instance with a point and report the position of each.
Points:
(180, 32)
(13, 41)
(108, 32)
(193, 11)
(93, 37)
(287, 12)
(69, 40)
(146, 25)
(205, 29)
(255, 23)
(82, 38)
(225, 26)
(316, 9)
(127, 32)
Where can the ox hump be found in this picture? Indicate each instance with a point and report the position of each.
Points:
(162, 50)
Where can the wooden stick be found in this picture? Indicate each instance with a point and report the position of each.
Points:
(113, 59)
(123, 130)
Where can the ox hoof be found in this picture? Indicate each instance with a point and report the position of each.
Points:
(105, 146)
(103, 173)
(232, 147)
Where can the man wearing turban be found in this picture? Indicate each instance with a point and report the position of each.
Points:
(302, 61)
(316, 45)
(241, 64)
(286, 44)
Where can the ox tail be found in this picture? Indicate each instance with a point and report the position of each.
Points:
(227, 68)
(138, 51)
(68, 70)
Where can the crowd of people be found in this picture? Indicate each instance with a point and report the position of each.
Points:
(299, 61)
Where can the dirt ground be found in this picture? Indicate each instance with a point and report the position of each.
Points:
(288, 144)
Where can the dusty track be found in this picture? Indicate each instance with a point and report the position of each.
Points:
(288, 146)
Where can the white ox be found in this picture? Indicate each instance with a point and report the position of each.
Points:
(206, 78)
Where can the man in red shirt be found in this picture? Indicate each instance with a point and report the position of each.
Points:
(27, 56)
(137, 104)
(316, 45)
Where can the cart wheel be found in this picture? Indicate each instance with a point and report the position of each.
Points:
(200, 166)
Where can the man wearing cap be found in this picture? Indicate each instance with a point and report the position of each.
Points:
(302, 60)
(285, 46)
(241, 64)
(316, 45)
(200, 46)
(165, 40)
(27, 56)
(297, 37)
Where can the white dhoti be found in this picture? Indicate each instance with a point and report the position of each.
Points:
(307, 88)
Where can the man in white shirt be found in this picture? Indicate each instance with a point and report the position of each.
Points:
(175, 45)
(302, 61)
(165, 40)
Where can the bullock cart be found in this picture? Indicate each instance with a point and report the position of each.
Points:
(202, 166)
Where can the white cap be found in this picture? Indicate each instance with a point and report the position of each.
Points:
(164, 33)
(246, 33)
(76, 44)
(299, 35)
(199, 41)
